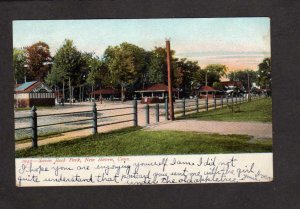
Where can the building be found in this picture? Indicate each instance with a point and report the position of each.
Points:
(33, 93)
(232, 84)
(207, 92)
(155, 93)
(108, 93)
(233, 87)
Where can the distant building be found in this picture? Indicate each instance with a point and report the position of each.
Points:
(155, 93)
(232, 84)
(33, 93)
(108, 93)
(207, 92)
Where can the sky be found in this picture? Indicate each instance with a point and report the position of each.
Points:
(239, 43)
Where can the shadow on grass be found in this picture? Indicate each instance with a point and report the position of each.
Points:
(134, 141)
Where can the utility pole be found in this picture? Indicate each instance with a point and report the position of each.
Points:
(171, 107)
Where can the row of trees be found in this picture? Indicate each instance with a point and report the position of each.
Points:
(125, 66)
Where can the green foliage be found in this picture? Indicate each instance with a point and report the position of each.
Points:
(125, 64)
(264, 74)
(19, 62)
(214, 72)
(242, 75)
(93, 67)
(157, 72)
(218, 86)
(186, 76)
(133, 141)
(67, 63)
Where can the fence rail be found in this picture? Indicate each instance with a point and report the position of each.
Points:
(181, 107)
(96, 121)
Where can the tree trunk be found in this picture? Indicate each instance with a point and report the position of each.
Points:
(70, 91)
(82, 97)
(122, 93)
(92, 92)
(100, 95)
(73, 88)
(94, 95)
(79, 94)
(63, 91)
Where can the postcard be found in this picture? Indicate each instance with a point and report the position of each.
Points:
(142, 101)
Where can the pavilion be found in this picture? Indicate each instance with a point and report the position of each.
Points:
(108, 93)
(155, 93)
(207, 92)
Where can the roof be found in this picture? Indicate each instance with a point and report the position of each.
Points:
(156, 87)
(232, 83)
(24, 86)
(32, 86)
(106, 91)
(207, 88)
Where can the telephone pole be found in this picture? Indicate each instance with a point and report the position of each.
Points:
(170, 93)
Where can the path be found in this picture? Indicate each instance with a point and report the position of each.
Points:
(256, 129)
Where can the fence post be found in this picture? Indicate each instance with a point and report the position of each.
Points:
(147, 114)
(34, 127)
(166, 109)
(215, 102)
(197, 104)
(157, 112)
(135, 112)
(95, 126)
(183, 107)
(222, 101)
(236, 99)
(206, 103)
(232, 99)
(227, 100)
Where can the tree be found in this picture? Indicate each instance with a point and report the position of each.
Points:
(97, 71)
(66, 66)
(218, 86)
(185, 75)
(157, 72)
(125, 64)
(242, 75)
(214, 72)
(19, 62)
(264, 74)
(38, 60)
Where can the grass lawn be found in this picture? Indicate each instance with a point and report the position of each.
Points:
(258, 110)
(136, 141)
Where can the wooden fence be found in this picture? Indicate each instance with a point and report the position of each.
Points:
(181, 108)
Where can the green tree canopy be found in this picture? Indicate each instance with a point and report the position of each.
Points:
(19, 62)
(94, 68)
(125, 64)
(264, 74)
(218, 86)
(186, 73)
(214, 72)
(157, 72)
(242, 75)
(67, 63)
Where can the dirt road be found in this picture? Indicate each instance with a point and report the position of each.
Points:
(256, 129)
